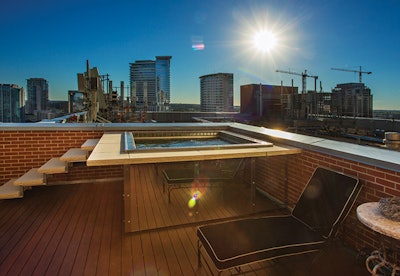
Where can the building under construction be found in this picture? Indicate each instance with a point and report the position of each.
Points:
(278, 101)
(352, 99)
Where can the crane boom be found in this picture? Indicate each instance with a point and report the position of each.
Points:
(289, 72)
(360, 72)
(304, 76)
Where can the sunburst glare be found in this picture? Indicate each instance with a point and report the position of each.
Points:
(265, 40)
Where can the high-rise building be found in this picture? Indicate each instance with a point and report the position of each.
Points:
(37, 95)
(352, 99)
(11, 103)
(150, 83)
(216, 92)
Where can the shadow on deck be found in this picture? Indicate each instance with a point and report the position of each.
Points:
(78, 230)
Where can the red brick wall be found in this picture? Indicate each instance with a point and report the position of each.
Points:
(377, 183)
(23, 150)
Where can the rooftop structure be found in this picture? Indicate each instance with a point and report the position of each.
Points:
(94, 98)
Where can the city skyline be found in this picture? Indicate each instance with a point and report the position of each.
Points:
(53, 40)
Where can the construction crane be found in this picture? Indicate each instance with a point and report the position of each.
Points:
(304, 77)
(360, 72)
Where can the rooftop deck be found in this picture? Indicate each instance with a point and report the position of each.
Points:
(78, 230)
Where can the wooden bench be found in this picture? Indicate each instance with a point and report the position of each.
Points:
(204, 173)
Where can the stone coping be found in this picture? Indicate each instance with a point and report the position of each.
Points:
(374, 156)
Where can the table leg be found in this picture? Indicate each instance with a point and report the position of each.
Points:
(378, 260)
(252, 179)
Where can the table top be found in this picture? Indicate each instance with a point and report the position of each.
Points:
(370, 215)
(108, 152)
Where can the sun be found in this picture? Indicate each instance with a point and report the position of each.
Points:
(265, 41)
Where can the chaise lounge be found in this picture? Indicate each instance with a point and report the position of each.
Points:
(322, 206)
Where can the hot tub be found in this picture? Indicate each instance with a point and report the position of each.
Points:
(184, 140)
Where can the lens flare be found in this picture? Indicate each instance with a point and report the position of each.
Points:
(193, 200)
(198, 47)
(197, 43)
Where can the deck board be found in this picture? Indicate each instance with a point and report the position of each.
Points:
(105, 237)
(48, 242)
(30, 230)
(67, 236)
(79, 230)
(97, 236)
(71, 253)
(84, 252)
(116, 232)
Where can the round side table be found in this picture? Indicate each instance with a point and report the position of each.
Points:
(370, 215)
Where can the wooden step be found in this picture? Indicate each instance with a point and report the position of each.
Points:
(9, 190)
(90, 144)
(54, 165)
(31, 178)
(74, 155)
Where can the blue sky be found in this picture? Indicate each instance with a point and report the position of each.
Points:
(53, 39)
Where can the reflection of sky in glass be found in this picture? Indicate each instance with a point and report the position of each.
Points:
(77, 102)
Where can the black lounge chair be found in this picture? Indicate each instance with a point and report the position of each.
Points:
(323, 205)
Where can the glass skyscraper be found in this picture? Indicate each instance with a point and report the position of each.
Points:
(37, 94)
(150, 83)
(11, 103)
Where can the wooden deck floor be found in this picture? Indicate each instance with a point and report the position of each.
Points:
(78, 230)
(151, 210)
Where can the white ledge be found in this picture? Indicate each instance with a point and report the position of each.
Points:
(374, 156)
